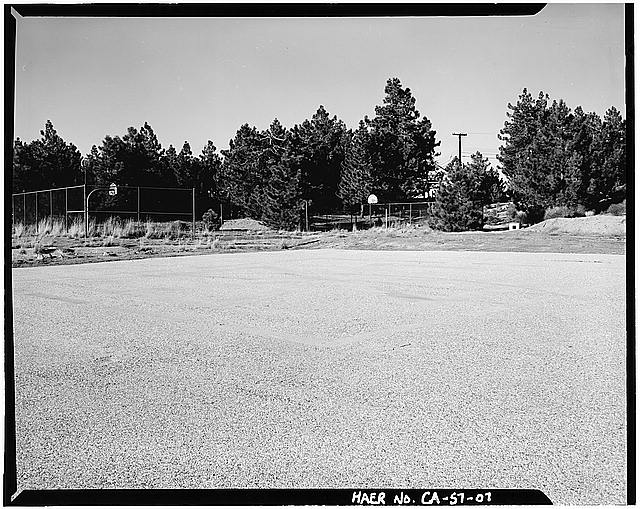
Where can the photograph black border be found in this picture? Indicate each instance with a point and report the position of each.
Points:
(277, 496)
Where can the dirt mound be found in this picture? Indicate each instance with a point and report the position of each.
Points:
(608, 226)
(244, 224)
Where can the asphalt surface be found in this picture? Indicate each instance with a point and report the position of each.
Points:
(325, 369)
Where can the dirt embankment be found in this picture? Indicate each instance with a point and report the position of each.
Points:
(603, 225)
(244, 224)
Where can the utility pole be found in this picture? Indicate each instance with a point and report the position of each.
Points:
(459, 135)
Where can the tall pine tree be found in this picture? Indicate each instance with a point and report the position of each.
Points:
(554, 157)
(319, 145)
(45, 163)
(402, 146)
(356, 179)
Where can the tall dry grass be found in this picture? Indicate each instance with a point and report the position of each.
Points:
(19, 229)
(113, 228)
(76, 229)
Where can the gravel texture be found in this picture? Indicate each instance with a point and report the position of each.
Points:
(325, 368)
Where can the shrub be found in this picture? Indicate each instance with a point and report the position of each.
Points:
(618, 209)
(564, 211)
(211, 220)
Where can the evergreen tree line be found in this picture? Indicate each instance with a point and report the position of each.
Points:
(550, 156)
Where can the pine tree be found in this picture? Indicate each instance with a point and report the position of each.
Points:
(243, 174)
(170, 165)
(463, 193)
(282, 197)
(402, 145)
(210, 167)
(554, 157)
(319, 145)
(45, 163)
(356, 181)
(609, 185)
(133, 160)
(186, 171)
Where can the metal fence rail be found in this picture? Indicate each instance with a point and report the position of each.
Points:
(368, 215)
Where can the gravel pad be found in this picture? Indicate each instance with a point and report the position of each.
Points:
(325, 368)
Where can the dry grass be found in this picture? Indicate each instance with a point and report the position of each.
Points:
(76, 229)
(43, 227)
(112, 228)
(399, 229)
(19, 230)
(108, 241)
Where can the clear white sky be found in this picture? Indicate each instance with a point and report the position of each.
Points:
(200, 79)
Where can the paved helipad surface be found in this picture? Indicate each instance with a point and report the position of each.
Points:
(325, 369)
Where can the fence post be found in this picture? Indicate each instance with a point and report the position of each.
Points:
(138, 205)
(193, 213)
(24, 210)
(221, 220)
(386, 212)
(51, 206)
(66, 209)
(36, 211)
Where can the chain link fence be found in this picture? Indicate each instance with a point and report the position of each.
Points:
(82, 204)
(370, 215)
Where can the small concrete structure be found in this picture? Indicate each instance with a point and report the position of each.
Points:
(514, 225)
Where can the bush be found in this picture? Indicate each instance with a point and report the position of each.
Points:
(618, 209)
(564, 211)
(211, 220)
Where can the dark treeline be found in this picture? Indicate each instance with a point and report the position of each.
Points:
(550, 156)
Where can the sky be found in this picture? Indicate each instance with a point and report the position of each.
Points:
(199, 79)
